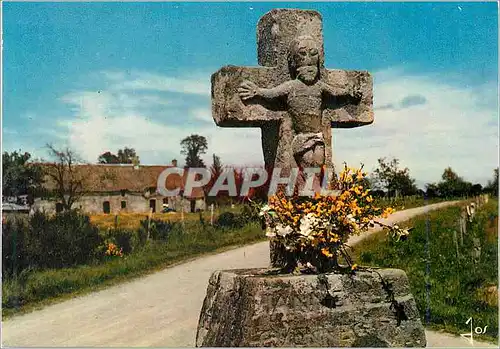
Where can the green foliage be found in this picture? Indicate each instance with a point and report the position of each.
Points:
(229, 220)
(452, 186)
(19, 176)
(122, 238)
(14, 258)
(158, 229)
(125, 156)
(492, 186)
(64, 240)
(193, 147)
(429, 257)
(397, 182)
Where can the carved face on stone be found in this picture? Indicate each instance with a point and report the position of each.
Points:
(304, 59)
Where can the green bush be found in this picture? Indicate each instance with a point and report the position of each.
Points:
(250, 213)
(123, 239)
(158, 229)
(64, 240)
(229, 220)
(67, 239)
(14, 258)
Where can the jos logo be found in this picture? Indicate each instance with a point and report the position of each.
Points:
(477, 330)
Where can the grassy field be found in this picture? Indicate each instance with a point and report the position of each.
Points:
(38, 288)
(449, 285)
(405, 203)
(131, 220)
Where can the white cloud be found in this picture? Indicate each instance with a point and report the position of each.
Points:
(117, 117)
(457, 127)
(451, 126)
(140, 80)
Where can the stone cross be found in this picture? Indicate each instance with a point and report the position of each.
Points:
(292, 97)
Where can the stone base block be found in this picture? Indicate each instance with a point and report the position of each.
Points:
(253, 308)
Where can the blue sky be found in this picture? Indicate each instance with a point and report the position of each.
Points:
(102, 76)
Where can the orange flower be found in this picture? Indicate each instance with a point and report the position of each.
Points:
(325, 252)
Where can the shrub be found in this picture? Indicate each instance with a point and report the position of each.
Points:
(64, 240)
(229, 220)
(158, 229)
(250, 213)
(13, 246)
(122, 238)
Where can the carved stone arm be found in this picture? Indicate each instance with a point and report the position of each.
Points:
(349, 92)
(248, 90)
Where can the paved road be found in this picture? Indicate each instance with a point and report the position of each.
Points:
(160, 309)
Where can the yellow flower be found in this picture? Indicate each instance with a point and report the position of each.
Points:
(388, 211)
(326, 252)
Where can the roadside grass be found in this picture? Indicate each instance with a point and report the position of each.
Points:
(448, 289)
(35, 289)
(407, 202)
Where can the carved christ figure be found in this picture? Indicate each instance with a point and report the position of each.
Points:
(305, 97)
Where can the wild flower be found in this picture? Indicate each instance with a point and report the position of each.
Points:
(112, 250)
(319, 227)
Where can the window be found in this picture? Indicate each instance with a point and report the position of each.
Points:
(124, 204)
(165, 201)
(152, 205)
(106, 207)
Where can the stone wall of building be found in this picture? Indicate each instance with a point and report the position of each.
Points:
(117, 203)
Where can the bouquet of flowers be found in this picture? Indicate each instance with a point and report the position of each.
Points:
(315, 230)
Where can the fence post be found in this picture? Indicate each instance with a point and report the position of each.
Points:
(455, 239)
(149, 221)
(212, 214)
(182, 216)
(463, 224)
(476, 252)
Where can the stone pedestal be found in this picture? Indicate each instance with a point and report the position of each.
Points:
(252, 308)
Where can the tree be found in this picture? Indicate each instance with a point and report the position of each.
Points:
(194, 146)
(476, 189)
(432, 190)
(127, 156)
(492, 186)
(108, 158)
(215, 171)
(19, 175)
(68, 181)
(124, 156)
(392, 179)
(216, 167)
(452, 185)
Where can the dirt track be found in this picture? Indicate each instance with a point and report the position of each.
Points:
(159, 310)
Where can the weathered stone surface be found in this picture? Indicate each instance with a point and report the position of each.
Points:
(293, 98)
(249, 308)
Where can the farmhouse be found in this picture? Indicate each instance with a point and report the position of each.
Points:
(120, 188)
